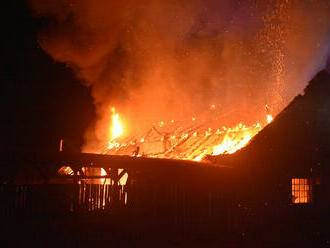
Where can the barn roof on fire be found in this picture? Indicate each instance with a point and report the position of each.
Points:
(181, 140)
(298, 136)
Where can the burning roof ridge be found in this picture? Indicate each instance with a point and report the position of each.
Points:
(316, 95)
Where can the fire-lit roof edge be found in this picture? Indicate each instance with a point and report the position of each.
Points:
(125, 161)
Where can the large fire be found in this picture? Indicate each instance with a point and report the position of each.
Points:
(175, 140)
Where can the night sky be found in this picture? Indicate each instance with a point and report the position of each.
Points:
(42, 101)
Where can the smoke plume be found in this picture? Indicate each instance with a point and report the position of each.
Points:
(167, 59)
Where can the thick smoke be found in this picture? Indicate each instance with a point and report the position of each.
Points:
(171, 59)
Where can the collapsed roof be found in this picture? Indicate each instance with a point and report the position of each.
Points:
(184, 140)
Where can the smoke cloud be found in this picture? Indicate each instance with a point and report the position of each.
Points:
(167, 59)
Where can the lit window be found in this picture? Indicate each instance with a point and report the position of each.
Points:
(301, 190)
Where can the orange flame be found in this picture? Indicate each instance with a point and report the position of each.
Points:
(184, 143)
(236, 138)
(116, 128)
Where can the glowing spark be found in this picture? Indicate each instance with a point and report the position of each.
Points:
(269, 119)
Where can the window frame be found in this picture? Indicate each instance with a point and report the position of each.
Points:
(301, 190)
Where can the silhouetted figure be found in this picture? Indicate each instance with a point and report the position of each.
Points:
(136, 152)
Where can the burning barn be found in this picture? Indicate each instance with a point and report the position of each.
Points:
(279, 180)
(169, 119)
